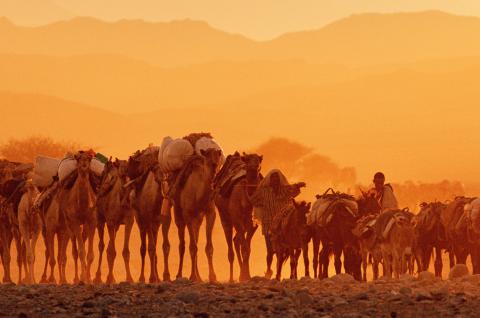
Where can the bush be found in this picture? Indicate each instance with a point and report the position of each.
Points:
(25, 150)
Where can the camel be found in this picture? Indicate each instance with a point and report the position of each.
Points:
(286, 239)
(114, 211)
(368, 209)
(236, 212)
(395, 234)
(10, 196)
(55, 224)
(456, 230)
(337, 237)
(368, 245)
(30, 226)
(146, 200)
(429, 235)
(194, 202)
(79, 207)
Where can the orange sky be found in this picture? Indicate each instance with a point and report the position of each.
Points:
(259, 19)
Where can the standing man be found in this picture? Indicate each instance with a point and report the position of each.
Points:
(384, 193)
(273, 195)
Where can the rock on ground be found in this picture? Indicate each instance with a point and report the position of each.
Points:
(337, 297)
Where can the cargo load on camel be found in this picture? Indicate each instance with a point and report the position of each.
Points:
(232, 171)
(322, 209)
(175, 157)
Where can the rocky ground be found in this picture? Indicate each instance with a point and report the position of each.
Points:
(339, 296)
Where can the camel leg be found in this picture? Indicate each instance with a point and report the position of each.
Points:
(316, 251)
(364, 264)
(193, 230)
(268, 244)
(90, 255)
(44, 280)
(111, 252)
(77, 237)
(181, 247)
(152, 255)
(101, 248)
(126, 249)
(291, 255)
(31, 258)
(237, 242)
(280, 258)
(295, 255)
(324, 260)
(228, 231)
(248, 248)
(167, 221)
(27, 255)
(75, 256)
(375, 269)
(62, 241)
(20, 256)
(210, 222)
(306, 261)
(156, 228)
(337, 252)
(6, 242)
(143, 252)
(426, 255)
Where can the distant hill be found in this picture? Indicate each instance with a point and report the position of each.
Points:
(121, 84)
(358, 40)
(166, 44)
(37, 12)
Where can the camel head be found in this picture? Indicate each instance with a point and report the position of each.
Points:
(83, 163)
(428, 217)
(367, 204)
(301, 209)
(213, 157)
(253, 163)
(353, 260)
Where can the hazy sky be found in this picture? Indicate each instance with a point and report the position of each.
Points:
(260, 19)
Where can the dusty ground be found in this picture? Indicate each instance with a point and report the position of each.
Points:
(339, 296)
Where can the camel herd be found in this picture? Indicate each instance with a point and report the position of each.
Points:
(137, 191)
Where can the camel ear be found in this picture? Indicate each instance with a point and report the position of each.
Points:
(203, 152)
(309, 205)
(261, 158)
(243, 153)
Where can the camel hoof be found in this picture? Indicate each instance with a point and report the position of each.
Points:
(44, 280)
(97, 280)
(166, 277)
(141, 279)
(195, 279)
(231, 281)
(152, 280)
(7, 280)
(212, 278)
(110, 280)
(268, 274)
(129, 279)
(76, 281)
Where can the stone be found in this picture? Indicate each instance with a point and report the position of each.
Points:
(343, 278)
(423, 295)
(426, 276)
(458, 271)
(303, 298)
(188, 296)
(405, 291)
